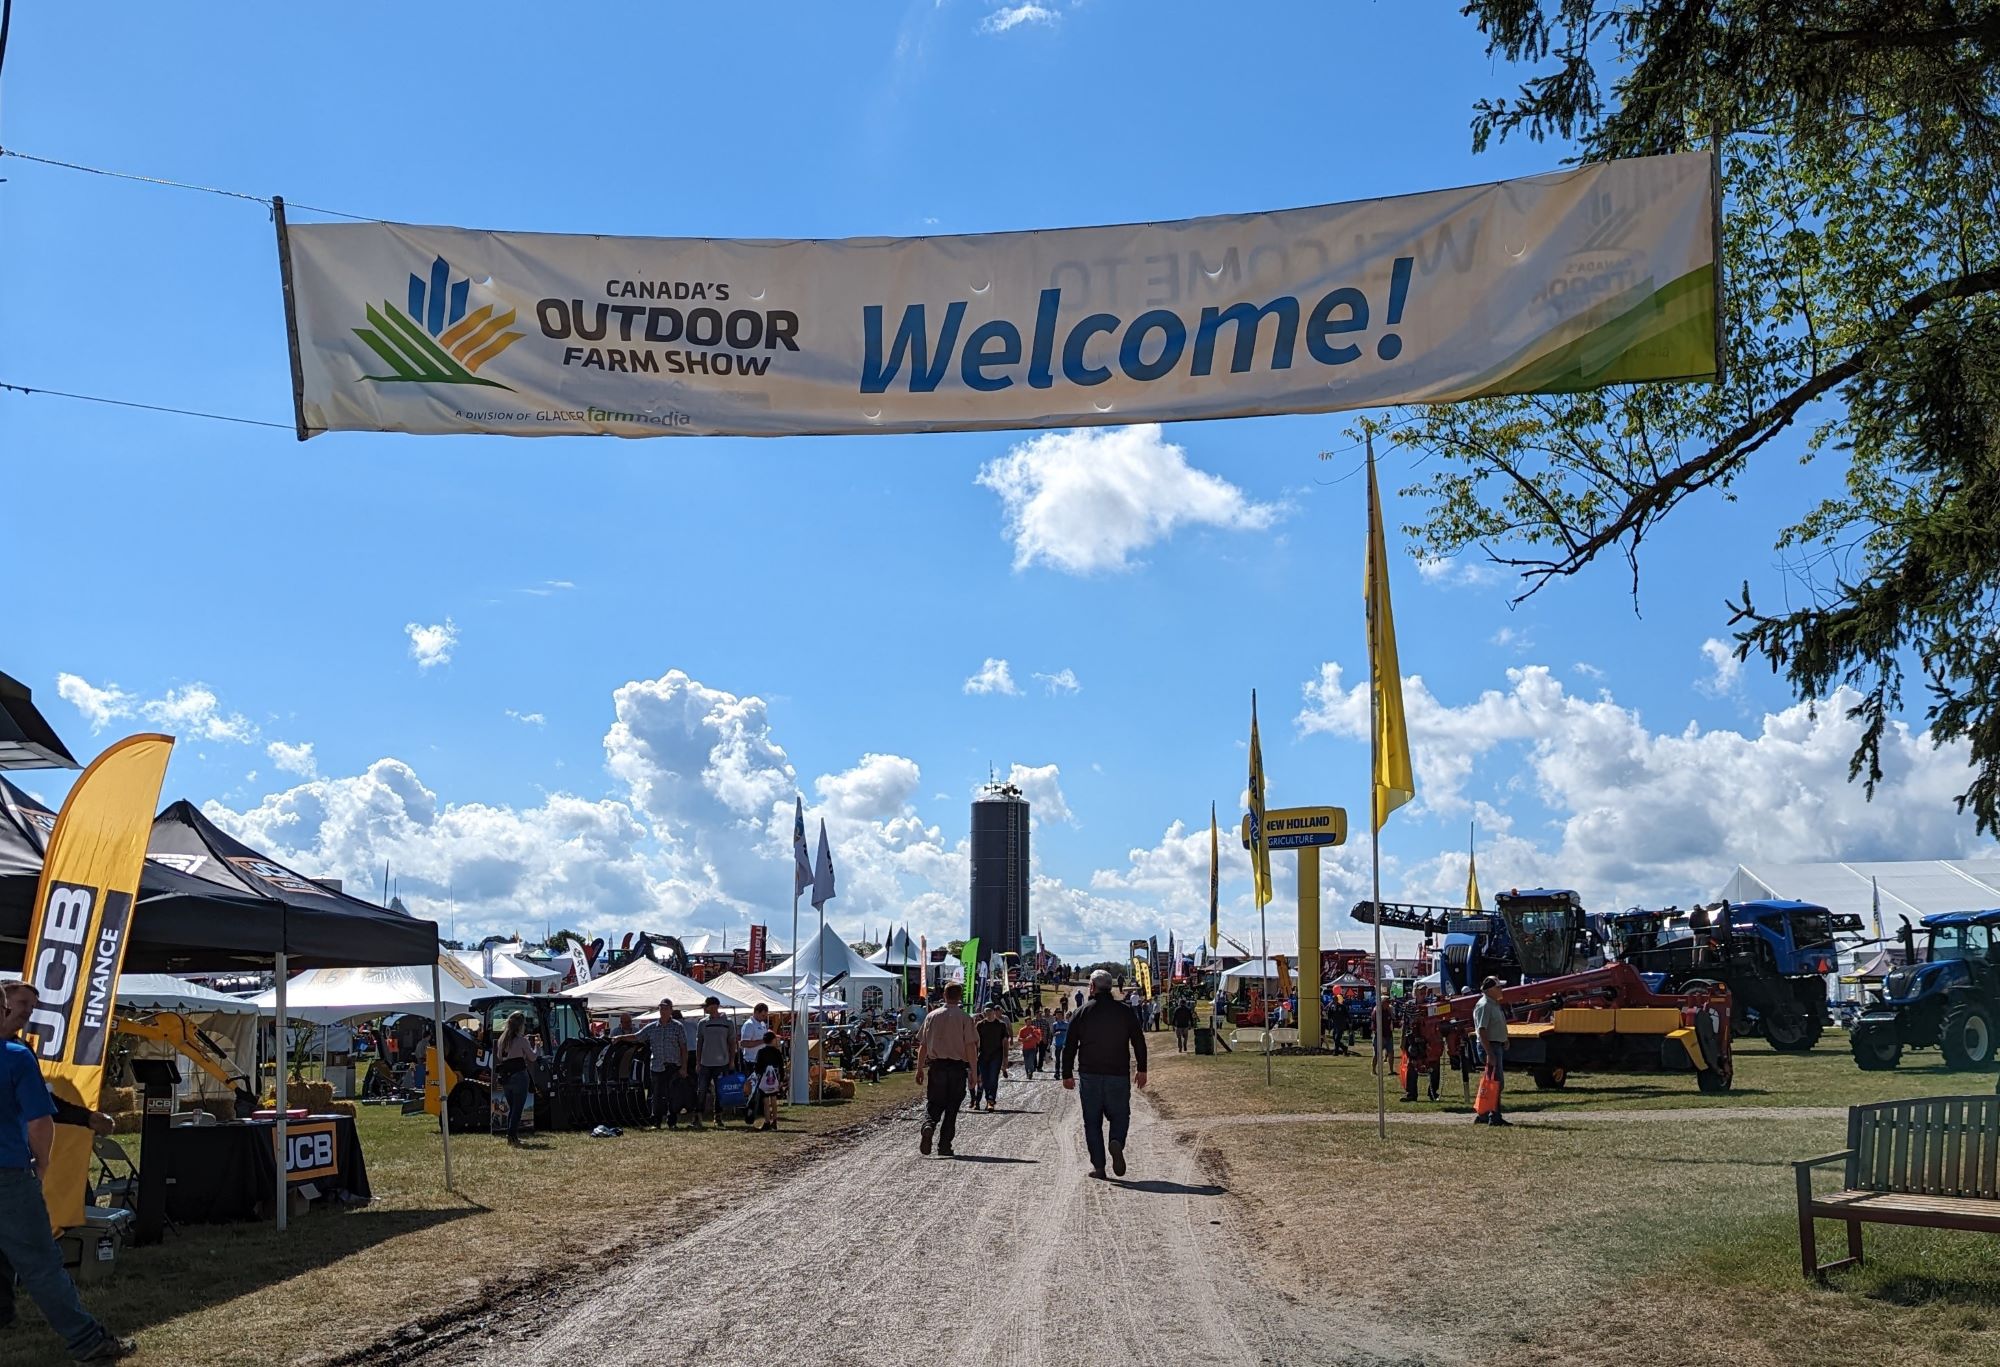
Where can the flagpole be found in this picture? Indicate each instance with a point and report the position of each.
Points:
(801, 1027)
(1375, 813)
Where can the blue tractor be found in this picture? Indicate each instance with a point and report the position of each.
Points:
(1773, 956)
(1534, 933)
(1948, 996)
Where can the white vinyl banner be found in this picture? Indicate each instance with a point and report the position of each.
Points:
(1599, 275)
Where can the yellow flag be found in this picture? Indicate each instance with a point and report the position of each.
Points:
(76, 943)
(1214, 879)
(1394, 782)
(1260, 853)
(1472, 883)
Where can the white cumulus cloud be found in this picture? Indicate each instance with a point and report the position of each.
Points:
(528, 718)
(190, 712)
(1091, 499)
(1062, 681)
(432, 645)
(293, 759)
(1725, 670)
(992, 677)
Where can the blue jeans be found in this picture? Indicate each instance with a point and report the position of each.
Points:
(1105, 1096)
(27, 1244)
(989, 1080)
(516, 1090)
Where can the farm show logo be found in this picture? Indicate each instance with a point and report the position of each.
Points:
(437, 341)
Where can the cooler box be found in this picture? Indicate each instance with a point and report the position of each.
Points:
(90, 1250)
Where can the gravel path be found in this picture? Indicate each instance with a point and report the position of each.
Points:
(1008, 1254)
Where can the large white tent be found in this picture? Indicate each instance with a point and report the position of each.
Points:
(826, 959)
(900, 950)
(750, 994)
(1909, 887)
(326, 996)
(230, 1022)
(642, 984)
(511, 973)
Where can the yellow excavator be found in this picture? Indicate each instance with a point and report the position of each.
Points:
(194, 1044)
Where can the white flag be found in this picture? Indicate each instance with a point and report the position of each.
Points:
(822, 874)
(802, 866)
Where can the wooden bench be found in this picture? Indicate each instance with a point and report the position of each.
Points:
(1932, 1162)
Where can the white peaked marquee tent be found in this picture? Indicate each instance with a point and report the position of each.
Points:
(900, 950)
(838, 970)
(326, 996)
(641, 985)
(727, 985)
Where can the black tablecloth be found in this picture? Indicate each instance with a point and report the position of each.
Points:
(225, 1172)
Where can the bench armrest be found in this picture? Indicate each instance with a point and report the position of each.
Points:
(1803, 1165)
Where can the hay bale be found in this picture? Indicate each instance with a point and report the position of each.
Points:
(130, 1122)
(844, 1089)
(345, 1108)
(118, 1099)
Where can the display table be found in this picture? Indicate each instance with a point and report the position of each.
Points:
(219, 1173)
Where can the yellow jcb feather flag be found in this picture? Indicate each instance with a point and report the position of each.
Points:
(1260, 853)
(1394, 782)
(76, 943)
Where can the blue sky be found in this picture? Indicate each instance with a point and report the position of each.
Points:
(824, 600)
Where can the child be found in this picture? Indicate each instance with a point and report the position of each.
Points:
(767, 1075)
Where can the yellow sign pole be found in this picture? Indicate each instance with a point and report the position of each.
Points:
(1305, 829)
(1309, 1021)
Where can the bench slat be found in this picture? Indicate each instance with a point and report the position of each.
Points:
(1934, 1174)
(1954, 1140)
(1958, 1212)
(1897, 1178)
(1862, 1137)
(1989, 1181)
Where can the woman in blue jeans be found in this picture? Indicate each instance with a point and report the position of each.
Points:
(512, 1063)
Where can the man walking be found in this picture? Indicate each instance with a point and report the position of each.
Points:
(947, 1047)
(666, 1044)
(1218, 1017)
(27, 1133)
(1489, 1023)
(993, 1037)
(1096, 1068)
(1183, 1022)
(715, 1053)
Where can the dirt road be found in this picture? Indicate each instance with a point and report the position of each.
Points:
(1008, 1254)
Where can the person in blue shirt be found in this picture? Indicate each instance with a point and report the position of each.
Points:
(27, 1131)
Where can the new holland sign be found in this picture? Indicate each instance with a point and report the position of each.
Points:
(1291, 828)
(1595, 275)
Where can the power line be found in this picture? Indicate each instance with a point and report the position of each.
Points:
(264, 200)
(148, 407)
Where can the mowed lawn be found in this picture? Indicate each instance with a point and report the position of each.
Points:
(1597, 1234)
(338, 1280)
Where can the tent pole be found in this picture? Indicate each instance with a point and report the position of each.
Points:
(282, 1148)
(437, 1029)
(801, 1025)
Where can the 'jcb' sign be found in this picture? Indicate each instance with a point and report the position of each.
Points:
(75, 971)
(310, 1151)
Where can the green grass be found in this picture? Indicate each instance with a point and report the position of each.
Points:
(336, 1280)
(1827, 1076)
(1589, 1242)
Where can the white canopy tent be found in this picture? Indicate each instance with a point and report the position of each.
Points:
(230, 1022)
(750, 994)
(511, 973)
(900, 950)
(325, 996)
(828, 958)
(641, 985)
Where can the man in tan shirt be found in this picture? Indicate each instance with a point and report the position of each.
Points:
(947, 1048)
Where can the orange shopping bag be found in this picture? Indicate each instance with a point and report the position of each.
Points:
(1488, 1100)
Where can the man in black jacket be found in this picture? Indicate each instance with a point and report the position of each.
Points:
(1095, 1053)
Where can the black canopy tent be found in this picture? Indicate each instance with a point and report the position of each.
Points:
(27, 741)
(210, 903)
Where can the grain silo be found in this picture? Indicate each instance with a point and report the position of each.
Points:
(999, 869)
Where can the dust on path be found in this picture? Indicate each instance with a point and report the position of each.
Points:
(1008, 1255)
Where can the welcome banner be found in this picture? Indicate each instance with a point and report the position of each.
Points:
(76, 945)
(1592, 276)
